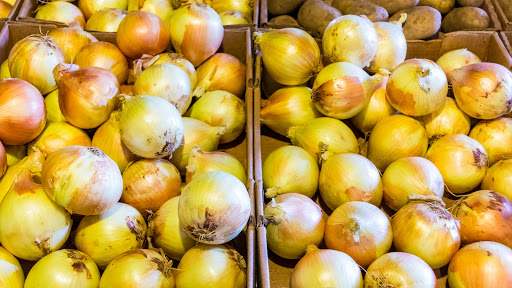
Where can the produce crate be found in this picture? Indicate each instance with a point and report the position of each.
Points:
(506, 37)
(506, 23)
(275, 272)
(236, 42)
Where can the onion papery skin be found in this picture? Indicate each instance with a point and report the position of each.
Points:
(71, 40)
(221, 72)
(461, 160)
(89, 7)
(5, 9)
(495, 136)
(399, 269)
(455, 59)
(396, 137)
(294, 222)
(161, 8)
(61, 11)
(359, 229)
(336, 268)
(181, 62)
(196, 31)
(427, 230)
(81, 179)
(411, 176)
(214, 266)
(499, 178)
(22, 112)
(33, 59)
(417, 87)
(53, 112)
(31, 224)
(108, 235)
(104, 55)
(391, 46)
(14, 154)
(59, 135)
(234, 17)
(64, 268)
(11, 274)
(4, 70)
(106, 20)
(201, 162)
(483, 90)
(214, 207)
(245, 6)
(287, 68)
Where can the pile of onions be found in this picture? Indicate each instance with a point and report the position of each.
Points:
(161, 8)
(495, 136)
(57, 135)
(89, 7)
(106, 20)
(214, 207)
(448, 119)
(31, 224)
(336, 268)
(221, 72)
(455, 59)
(214, 266)
(244, 6)
(391, 45)
(11, 273)
(4, 70)
(53, 113)
(201, 162)
(290, 55)
(71, 39)
(483, 90)
(14, 154)
(396, 137)
(61, 11)
(359, 229)
(22, 112)
(104, 55)
(499, 178)
(181, 62)
(81, 179)
(108, 235)
(234, 17)
(461, 160)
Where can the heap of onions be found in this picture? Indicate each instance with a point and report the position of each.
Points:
(455, 59)
(391, 45)
(104, 55)
(89, 7)
(71, 39)
(11, 273)
(499, 178)
(234, 17)
(59, 135)
(221, 72)
(161, 8)
(201, 162)
(106, 20)
(448, 119)
(53, 113)
(61, 11)
(494, 135)
(14, 154)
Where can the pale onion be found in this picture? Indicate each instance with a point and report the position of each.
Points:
(106, 20)
(234, 17)
(448, 119)
(410, 176)
(290, 169)
(179, 61)
(53, 112)
(3, 160)
(61, 11)
(196, 31)
(336, 268)
(71, 39)
(499, 178)
(111, 233)
(221, 72)
(461, 160)
(161, 8)
(213, 266)
(291, 56)
(245, 6)
(33, 59)
(200, 162)
(15, 153)
(391, 45)
(424, 228)
(22, 112)
(352, 39)
(5, 9)
(89, 7)
(483, 90)
(31, 224)
(455, 59)
(11, 273)
(359, 229)
(293, 223)
(417, 87)
(495, 136)
(104, 55)
(399, 269)
(81, 179)
(62, 269)
(4, 70)
(214, 207)
(58, 135)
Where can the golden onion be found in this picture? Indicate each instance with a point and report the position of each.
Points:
(71, 39)
(53, 112)
(15, 153)
(161, 8)
(221, 72)
(61, 11)
(201, 162)
(495, 136)
(234, 17)
(455, 59)
(245, 6)
(89, 7)
(57, 135)
(180, 61)
(391, 45)
(104, 55)
(499, 178)
(4, 70)
(105, 20)
(448, 119)
(5, 9)
(11, 273)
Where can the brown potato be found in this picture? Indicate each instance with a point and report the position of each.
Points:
(283, 21)
(465, 18)
(361, 7)
(443, 6)
(472, 3)
(281, 7)
(393, 6)
(422, 22)
(315, 15)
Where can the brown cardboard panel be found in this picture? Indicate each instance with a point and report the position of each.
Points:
(506, 37)
(506, 23)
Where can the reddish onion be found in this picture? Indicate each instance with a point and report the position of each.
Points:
(495, 136)
(104, 55)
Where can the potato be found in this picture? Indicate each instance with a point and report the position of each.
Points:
(422, 22)
(465, 18)
(281, 7)
(361, 7)
(283, 21)
(472, 3)
(315, 15)
(393, 6)
(443, 6)
(506, 5)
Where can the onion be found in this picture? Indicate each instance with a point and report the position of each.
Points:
(111, 233)
(31, 224)
(161, 8)
(3, 160)
(398, 269)
(22, 112)
(196, 31)
(213, 266)
(426, 229)
(126, 90)
(498, 178)
(201, 162)
(64, 268)
(53, 112)
(4, 70)
(234, 17)
(461, 160)
(495, 136)
(214, 207)
(179, 61)
(455, 59)
(71, 39)
(291, 56)
(336, 269)
(290, 169)
(61, 11)
(11, 273)
(81, 179)
(106, 20)
(391, 45)
(104, 55)
(14, 154)
(245, 6)
(483, 90)
(5, 9)
(352, 39)
(89, 7)
(448, 119)
(221, 72)
(396, 137)
(58, 135)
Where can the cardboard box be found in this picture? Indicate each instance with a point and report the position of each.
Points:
(506, 37)
(12, 15)
(506, 22)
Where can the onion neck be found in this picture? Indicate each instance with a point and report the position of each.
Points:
(379, 280)
(311, 248)
(272, 192)
(274, 213)
(258, 37)
(292, 132)
(355, 228)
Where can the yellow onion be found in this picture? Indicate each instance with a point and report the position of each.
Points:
(290, 169)
(352, 39)
(424, 228)
(15, 153)
(495, 136)
(499, 178)
(5, 9)
(408, 177)
(139, 268)
(359, 229)
(214, 207)
(71, 39)
(11, 273)
(165, 230)
(482, 264)
(293, 223)
(106, 20)
(417, 87)
(245, 6)
(111, 233)
(448, 119)
(4, 70)
(200, 162)
(53, 113)
(391, 45)
(213, 266)
(64, 268)
(31, 224)
(179, 61)
(89, 7)
(161, 8)
(58, 135)
(196, 31)
(461, 160)
(61, 11)
(82, 179)
(104, 55)
(399, 269)
(33, 59)
(234, 17)
(455, 59)
(336, 268)
(482, 90)
(290, 55)
(221, 72)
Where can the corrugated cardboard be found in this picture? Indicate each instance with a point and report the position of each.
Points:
(506, 23)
